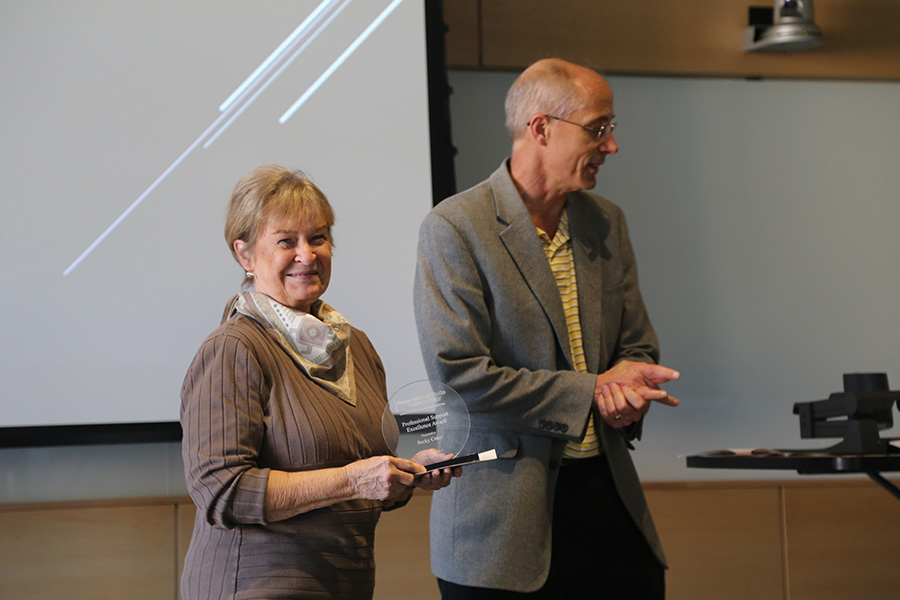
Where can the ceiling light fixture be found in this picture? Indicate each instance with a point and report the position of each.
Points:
(788, 27)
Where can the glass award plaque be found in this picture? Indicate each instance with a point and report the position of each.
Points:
(423, 415)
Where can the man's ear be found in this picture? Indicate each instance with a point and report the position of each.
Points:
(537, 128)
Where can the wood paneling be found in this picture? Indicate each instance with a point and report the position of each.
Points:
(804, 539)
(90, 552)
(463, 40)
(184, 528)
(720, 542)
(842, 542)
(402, 555)
(689, 37)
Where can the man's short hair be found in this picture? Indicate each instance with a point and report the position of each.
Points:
(546, 87)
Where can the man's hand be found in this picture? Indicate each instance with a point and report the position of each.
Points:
(623, 394)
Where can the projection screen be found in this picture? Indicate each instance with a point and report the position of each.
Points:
(125, 126)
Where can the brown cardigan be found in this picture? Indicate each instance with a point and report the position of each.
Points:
(247, 408)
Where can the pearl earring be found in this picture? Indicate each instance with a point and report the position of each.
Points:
(249, 274)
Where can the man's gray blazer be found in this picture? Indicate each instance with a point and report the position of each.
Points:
(491, 325)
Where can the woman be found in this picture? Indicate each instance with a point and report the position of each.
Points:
(281, 411)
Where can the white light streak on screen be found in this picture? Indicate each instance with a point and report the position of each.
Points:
(336, 64)
(277, 73)
(277, 53)
(233, 101)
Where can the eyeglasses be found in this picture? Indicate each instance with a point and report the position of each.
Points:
(598, 133)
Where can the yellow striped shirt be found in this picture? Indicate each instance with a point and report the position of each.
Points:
(562, 263)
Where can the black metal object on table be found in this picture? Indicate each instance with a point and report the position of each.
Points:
(857, 415)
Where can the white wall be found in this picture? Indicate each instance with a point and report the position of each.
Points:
(764, 217)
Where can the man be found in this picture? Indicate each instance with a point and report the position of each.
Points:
(527, 304)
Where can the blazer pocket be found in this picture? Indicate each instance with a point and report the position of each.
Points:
(506, 443)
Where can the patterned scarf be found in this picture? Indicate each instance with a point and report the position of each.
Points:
(319, 342)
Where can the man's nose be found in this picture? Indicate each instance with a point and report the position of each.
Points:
(609, 144)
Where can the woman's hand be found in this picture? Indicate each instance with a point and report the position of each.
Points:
(382, 478)
(385, 478)
(435, 480)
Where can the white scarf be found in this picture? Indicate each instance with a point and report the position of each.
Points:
(318, 342)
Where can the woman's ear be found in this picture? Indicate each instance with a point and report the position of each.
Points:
(244, 255)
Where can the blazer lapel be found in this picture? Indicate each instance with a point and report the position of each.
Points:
(521, 241)
(588, 248)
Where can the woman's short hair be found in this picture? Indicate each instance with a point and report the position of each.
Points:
(271, 192)
(546, 87)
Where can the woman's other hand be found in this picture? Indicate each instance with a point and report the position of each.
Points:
(435, 480)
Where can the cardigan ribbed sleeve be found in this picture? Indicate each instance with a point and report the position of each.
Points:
(223, 422)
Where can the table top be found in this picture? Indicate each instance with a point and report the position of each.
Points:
(802, 461)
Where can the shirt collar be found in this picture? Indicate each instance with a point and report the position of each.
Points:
(562, 233)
